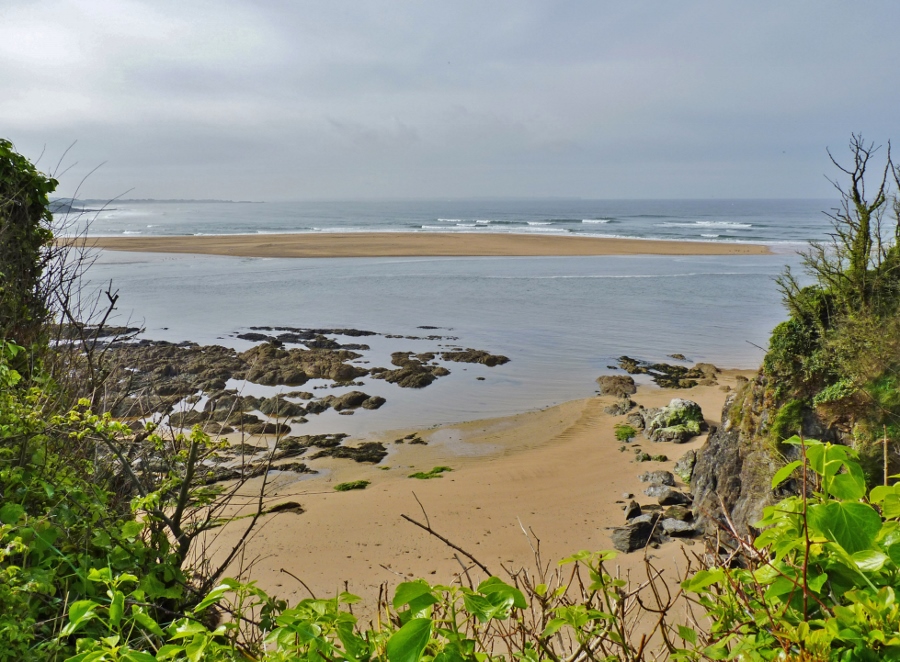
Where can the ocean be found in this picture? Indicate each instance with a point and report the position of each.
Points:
(562, 321)
(756, 221)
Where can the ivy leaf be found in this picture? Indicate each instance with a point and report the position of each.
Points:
(11, 512)
(869, 560)
(408, 643)
(853, 526)
(784, 473)
(851, 485)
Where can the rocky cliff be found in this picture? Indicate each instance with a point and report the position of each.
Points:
(734, 468)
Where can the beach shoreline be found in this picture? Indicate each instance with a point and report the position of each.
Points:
(557, 472)
(412, 244)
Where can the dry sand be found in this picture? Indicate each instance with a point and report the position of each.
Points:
(407, 244)
(558, 471)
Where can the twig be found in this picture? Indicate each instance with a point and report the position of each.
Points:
(447, 542)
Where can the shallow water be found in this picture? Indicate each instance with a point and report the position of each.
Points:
(561, 321)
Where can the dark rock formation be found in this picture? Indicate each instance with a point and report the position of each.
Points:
(635, 535)
(620, 386)
(667, 375)
(474, 356)
(622, 406)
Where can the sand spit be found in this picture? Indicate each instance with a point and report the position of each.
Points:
(558, 471)
(402, 244)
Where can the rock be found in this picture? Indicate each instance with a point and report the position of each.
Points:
(627, 495)
(675, 527)
(678, 357)
(623, 406)
(373, 402)
(349, 400)
(656, 490)
(642, 457)
(618, 385)
(633, 509)
(708, 370)
(280, 408)
(684, 467)
(636, 420)
(678, 512)
(633, 536)
(678, 422)
(649, 518)
(659, 477)
(670, 497)
(473, 356)
(370, 451)
(664, 374)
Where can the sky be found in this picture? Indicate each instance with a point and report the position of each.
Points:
(334, 99)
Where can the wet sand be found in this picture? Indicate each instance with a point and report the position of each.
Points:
(558, 472)
(402, 244)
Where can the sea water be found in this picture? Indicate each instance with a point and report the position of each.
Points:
(762, 221)
(562, 321)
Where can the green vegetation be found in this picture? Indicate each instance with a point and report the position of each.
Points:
(839, 352)
(434, 473)
(625, 432)
(352, 485)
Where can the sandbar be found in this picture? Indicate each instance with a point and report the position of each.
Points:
(411, 244)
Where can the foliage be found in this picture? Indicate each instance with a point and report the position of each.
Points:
(434, 473)
(820, 579)
(25, 233)
(352, 485)
(788, 420)
(625, 432)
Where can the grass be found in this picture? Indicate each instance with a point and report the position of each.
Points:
(352, 485)
(434, 473)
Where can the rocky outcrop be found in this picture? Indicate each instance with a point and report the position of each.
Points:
(667, 375)
(474, 356)
(679, 421)
(620, 386)
(734, 468)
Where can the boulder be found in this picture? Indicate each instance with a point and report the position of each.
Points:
(633, 536)
(678, 512)
(675, 527)
(374, 402)
(658, 478)
(669, 497)
(678, 422)
(623, 406)
(618, 385)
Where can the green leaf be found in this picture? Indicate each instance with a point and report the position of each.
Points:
(138, 656)
(80, 610)
(408, 643)
(132, 529)
(785, 472)
(851, 485)
(116, 608)
(496, 586)
(409, 591)
(11, 512)
(869, 560)
(145, 621)
(687, 634)
(853, 526)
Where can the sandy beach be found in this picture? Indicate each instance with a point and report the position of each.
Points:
(409, 244)
(558, 472)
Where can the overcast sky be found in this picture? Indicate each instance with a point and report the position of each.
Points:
(290, 100)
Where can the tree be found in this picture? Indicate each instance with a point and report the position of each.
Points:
(25, 235)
